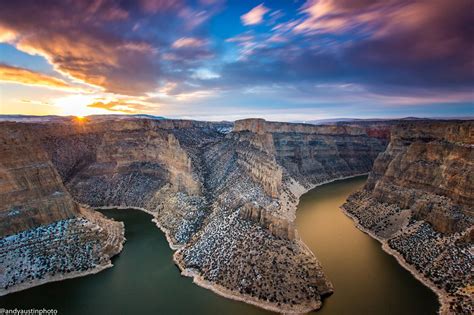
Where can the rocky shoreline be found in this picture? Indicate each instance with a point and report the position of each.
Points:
(442, 296)
(214, 287)
(233, 295)
(221, 290)
(109, 249)
(417, 203)
(55, 278)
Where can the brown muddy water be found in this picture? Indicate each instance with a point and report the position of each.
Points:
(366, 279)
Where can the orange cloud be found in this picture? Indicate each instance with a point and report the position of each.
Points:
(75, 38)
(120, 106)
(28, 77)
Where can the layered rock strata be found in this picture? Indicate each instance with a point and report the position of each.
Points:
(226, 200)
(419, 202)
(31, 190)
(45, 235)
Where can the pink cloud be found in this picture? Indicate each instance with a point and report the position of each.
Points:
(254, 16)
(185, 42)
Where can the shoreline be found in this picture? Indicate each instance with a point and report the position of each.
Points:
(55, 278)
(171, 244)
(64, 276)
(443, 298)
(233, 295)
(215, 288)
(236, 296)
(329, 181)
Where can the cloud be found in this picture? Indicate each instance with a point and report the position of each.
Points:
(205, 74)
(28, 77)
(405, 52)
(112, 45)
(184, 42)
(386, 46)
(74, 37)
(254, 16)
(120, 106)
(154, 6)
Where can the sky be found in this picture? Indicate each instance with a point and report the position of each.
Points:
(225, 60)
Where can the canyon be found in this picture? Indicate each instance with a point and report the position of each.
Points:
(418, 201)
(225, 194)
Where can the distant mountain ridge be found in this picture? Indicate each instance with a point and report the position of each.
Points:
(328, 121)
(57, 118)
(358, 120)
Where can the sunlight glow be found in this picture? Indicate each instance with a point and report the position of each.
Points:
(76, 105)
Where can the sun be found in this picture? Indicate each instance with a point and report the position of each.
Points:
(77, 105)
(80, 119)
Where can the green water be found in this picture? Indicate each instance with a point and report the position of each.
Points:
(144, 279)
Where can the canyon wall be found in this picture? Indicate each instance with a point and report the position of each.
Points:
(428, 168)
(44, 234)
(226, 199)
(419, 200)
(249, 247)
(314, 154)
(31, 190)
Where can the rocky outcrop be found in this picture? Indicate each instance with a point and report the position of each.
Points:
(277, 226)
(254, 197)
(427, 167)
(31, 190)
(44, 235)
(60, 250)
(226, 199)
(261, 126)
(315, 154)
(419, 201)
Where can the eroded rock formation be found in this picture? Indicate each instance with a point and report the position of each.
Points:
(31, 190)
(45, 235)
(419, 200)
(226, 200)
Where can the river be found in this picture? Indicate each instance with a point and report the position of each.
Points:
(144, 279)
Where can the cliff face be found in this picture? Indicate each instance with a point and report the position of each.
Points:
(428, 168)
(135, 163)
(31, 190)
(44, 234)
(314, 154)
(419, 198)
(226, 199)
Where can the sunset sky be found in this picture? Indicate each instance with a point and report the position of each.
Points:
(216, 59)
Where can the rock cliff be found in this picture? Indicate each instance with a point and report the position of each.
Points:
(419, 200)
(44, 235)
(226, 198)
(31, 190)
